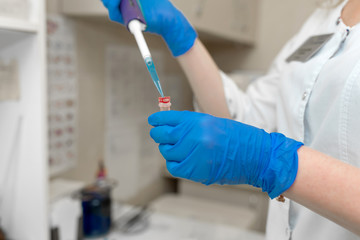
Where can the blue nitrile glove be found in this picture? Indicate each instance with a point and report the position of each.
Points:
(212, 150)
(164, 19)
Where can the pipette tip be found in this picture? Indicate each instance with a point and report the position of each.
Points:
(151, 67)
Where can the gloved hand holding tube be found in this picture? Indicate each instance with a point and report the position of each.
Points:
(163, 19)
(211, 150)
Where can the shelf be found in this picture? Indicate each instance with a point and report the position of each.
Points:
(17, 25)
(9, 38)
(228, 20)
(83, 8)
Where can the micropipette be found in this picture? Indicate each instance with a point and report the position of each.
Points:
(136, 24)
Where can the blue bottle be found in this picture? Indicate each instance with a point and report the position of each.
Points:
(96, 205)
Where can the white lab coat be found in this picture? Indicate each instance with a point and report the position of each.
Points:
(318, 103)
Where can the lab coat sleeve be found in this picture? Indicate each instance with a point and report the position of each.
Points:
(257, 106)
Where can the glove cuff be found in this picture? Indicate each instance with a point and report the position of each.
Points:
(283, 166)
(181, 36)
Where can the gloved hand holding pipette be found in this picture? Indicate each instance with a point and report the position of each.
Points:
(211, 150)
(161, 18)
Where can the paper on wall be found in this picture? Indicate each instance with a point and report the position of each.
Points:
(9, 81)
(131, 156)
(62, 92)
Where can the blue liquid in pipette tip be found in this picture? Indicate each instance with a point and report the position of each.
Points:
(151, 67)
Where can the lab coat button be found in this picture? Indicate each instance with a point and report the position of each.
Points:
(304, 96)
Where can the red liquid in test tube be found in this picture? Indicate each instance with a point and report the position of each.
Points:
(164, 103)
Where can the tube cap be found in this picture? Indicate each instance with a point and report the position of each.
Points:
(164, 99)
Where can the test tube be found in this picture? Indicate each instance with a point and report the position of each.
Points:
(164, 103)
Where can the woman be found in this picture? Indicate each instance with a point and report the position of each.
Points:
(310, 94)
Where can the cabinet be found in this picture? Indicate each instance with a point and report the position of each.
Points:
(23, 125)
(233, 20)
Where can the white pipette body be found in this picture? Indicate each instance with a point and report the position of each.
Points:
(137, 28)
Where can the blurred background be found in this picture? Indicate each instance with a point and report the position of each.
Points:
(74, 99)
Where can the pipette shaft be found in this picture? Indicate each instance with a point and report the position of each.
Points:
(136, 24)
